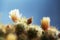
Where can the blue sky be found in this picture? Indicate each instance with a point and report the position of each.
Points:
(29, 8)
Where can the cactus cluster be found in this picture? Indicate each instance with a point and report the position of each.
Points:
(23, 29)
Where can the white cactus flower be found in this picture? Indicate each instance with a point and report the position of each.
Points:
(15, 15)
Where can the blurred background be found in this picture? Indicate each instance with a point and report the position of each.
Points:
(36, 8)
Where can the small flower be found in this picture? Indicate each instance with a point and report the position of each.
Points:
(14, 15)
(45, 23)
(29, 21)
